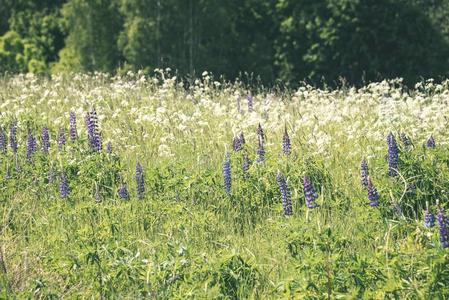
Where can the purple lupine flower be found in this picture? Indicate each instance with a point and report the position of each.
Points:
(443, 223)
(242, 138)
(93, 132)
(245, 165)
(123, 192)
(430, 142)
(13, 137)
(140, 181)
(64, 189)
(61, 138)
(109, 147)
(373, 196)
(286, 145)
(309, 193)
(227, 174)
(31, 145)
(393, 155)
(8, 174)
(404, 139)
(239, 110)
(45, 136)
(2, 140)
(238, 142)
(260, 133)
(72, 130)
(364, 173)
(260, 152)
(429, 218)
(250, 102)
(285, 194)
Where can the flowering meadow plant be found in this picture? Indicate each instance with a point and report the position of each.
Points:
(136, 186)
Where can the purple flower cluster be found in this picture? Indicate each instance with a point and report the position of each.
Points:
(238, 142)
(309, 193)
(227, 174)
(45, 137)
(286, 145)
(140, 181)
(430, 142)
(250, 102)
(13, 137)
(31, 145)
(246, 164)
(260, 152)
(260, 133)
(72, 129)
(429, 218)
(2, 141)
(123, 192)
(393, 155)
(373, 196)
(61, 138)
(64, 189)
(404, 139)
(443, 223)
(93, 132)
(364, 173)
(285, 194)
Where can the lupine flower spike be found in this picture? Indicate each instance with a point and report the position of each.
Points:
(430, 142)
(404, 139)
(260, 152)
(309, 193)
(364, 173)
(429, 218)
(237, 143)
(373, 196)
(45, 136)
(13, 137)
(285, 194)
(72, 130)
(286, 145)
(61, 138)
(140, 181)
(227, 174)
(250, 102)
(2, 141)
(443, 223)
(123, 192)
(31, 145)
(260, 133)
(64, 189)
(393, 155)
(246, 165)
(93, 133)
(242, 138)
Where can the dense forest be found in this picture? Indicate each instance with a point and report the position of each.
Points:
(289, 40)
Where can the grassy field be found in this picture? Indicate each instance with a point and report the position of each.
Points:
(155, 195)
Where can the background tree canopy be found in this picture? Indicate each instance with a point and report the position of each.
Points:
(291, 40)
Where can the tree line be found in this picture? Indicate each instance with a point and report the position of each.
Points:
(321, 41)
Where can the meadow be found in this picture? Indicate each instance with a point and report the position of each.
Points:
(136, 186)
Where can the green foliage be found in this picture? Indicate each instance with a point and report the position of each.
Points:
(91, 43)
(323, 42)
(358, 40)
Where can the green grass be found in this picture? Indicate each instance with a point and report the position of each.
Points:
(189, 239)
